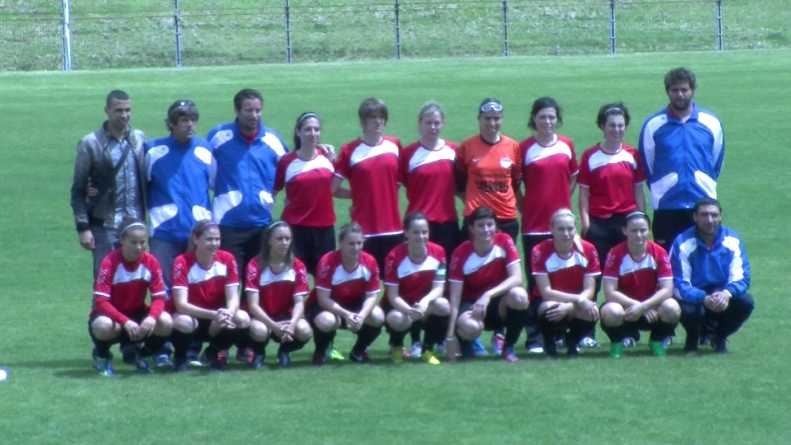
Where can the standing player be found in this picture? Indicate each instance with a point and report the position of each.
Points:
(119, 311)
(638, 285)
(414, 284)
(344, 296)
(277, 284)
(565, 268)
(549, 173)
(485, 288)
(682, 148)
(206, 296)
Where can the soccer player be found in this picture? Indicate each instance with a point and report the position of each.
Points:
(370, 163)
(488, 170)
(414, 285)
(119, 311)
(306, 175)
(711, 276)
(549, 172)
(565, 268)
(111, 160)
(638, 285)
(276, 286)
(485, 289)
(206, 296)
(344, 296)
(682, 148)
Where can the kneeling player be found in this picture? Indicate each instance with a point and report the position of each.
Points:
(119, 313)
(344, 296)
(276, 286)
(485, 289)
(565, 268)
(206, 296)
(414, 283)
(638, 284)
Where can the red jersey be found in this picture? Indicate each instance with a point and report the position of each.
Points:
(346, 286)
(492, 172)
(429, 178)
(638, 279)
(481, 273)
(414, 280)
(205, 287)
(308, 190)
(565, 274)
(373, 175)
(276, 292)
(546, 173)
(120, 288)
(611, 179)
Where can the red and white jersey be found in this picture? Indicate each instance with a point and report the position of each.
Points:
(125, 284)
(638, 279)
(546, 172)
(276, 291)
(429, 178)
(611, 179)
(373, 175)
(479, 273)
(566, 273)
(308, 190)
(414, 280)
(346, 286)
(205, 287)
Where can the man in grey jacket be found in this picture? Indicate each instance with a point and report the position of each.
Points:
(111, 159)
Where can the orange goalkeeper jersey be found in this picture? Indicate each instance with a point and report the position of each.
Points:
(491, 174)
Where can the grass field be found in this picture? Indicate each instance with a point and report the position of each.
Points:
(53, 397)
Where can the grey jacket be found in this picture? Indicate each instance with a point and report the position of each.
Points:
(93, 164)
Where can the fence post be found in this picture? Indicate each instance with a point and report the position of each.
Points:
(65, 10)
(177, 31)
(506, 53)
(287, 7)
(719, 25)
(397, 30)
(612, 26)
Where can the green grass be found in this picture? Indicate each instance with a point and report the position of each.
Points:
(140, 33)
(52, 395)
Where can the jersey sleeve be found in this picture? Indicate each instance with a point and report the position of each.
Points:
(537, 263)
(343, 163)
(516, 167)
(179, 276)
(323, 278)
(664, 271)
(442, 269)
(251, 276)
(157, 289)
(574, 168)
(104, 280)
(233, 271)
(401, 177)
(583, 179)
(611, 266)
(511, 254)
(301, 287)
(593, 262)
(372, 286)
(280, 174)
(456, 269)
(639, 171)
(391, 269)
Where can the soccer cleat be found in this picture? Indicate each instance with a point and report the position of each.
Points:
(129, 353)
(284, 359)
(628, 342)
(720, 345)
(104, 366)
(479, 350)
(497, 343)
(95, 357)
(319, 358)
(142, 365)
(245, 355)
(258, 361)
(417, 350)
(690, 345)
(360, 358)
(588, 343)
(217, 360)
(162, 360)
(509, 355)
(616, 349)
(429, 358)
(180, 364)
(657, 348)
(535, 349)
(397, 354)
(441, 349)
(334, 354)
(467, 350)
(667, 341)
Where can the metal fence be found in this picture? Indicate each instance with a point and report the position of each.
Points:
(169, 33)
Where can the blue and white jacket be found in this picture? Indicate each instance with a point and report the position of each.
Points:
(682, 160)
(699, 270)
(179, 179)
(245, 175)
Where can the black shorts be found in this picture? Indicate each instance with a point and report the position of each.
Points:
(123, 337)
(491, 319)
(201, 333)
(312, 310)
(528, 242)
(311, 243)
(604, 234)
(278, 319)
(380, 246)
(508, 226)
(668, 224)
(445, 234)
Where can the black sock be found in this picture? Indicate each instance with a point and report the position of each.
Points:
(102, 347)
(242, 338)
(259, 347)
(291, 346)
(614, 333)
(548, 329)
(436, 327)
(661, 330)
(578, 328)
(514, 323)
(397, 338)
(365, 337)
(463, 344)
(224, 339)
(152, 345)
(181, 343)
(322, 339)
(414, 331)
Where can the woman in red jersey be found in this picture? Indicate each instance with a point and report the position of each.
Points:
(414, 284)
(206, 296)
(486, 292)
(119, 311)
(638, 286)
(276, 285)
(344, 296)
(565, 268)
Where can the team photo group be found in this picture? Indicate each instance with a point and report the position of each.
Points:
(189, 262)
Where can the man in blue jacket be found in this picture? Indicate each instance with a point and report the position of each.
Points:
(682, 148)
(711, 276)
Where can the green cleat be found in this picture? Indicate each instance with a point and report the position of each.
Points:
(616, 349)
(657, 348)
(334, 354)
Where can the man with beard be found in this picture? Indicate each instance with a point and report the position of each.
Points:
(682, 148)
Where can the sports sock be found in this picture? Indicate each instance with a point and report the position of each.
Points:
(365, 336)
(181, 343)
(577, 329)
(259, 347)
(396, 338)
(414, 331)
(514, 323)
(291, 346)
(661, 330)
(322, 339)
(614, 333)
(435, 327)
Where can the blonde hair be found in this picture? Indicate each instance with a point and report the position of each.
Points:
(567, 213)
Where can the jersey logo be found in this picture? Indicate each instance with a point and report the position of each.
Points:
(506, 163)
(325, 268)
(475, 160)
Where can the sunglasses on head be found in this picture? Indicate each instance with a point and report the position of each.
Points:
(491, 106)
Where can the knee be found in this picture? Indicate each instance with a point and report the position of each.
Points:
(302, 332)
(691, 311)
(669, 311)
(517, 299)
(258, 331)
(612, 314)
(326, 322)
(376, 318)
(184, 323)
(544, 307)
(241, 319)
(439, 307)
(103, 328)
(164, 325)
(398, 321)
(467, 328)
(743, 302)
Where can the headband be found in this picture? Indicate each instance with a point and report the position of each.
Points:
(613, 109)
(133, 226)
(305, 117)
(203, 227)
(276, 224)
(636, 214)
